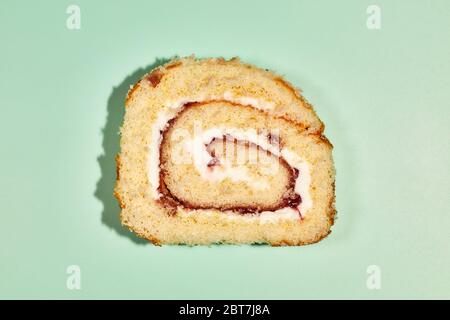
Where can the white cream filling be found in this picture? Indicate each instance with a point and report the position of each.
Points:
(160, 124)
(263, 217)
(171, 110)
(196, 147)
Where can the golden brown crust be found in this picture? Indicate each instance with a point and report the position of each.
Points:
(119, 199)
(155, 77)
(118, 164)
(131, 92)
(116, 193)
(173, 64)
(282, 243)
(331, 205)
(154, 240)
(288, 86)
(289, 243)
(325, 140)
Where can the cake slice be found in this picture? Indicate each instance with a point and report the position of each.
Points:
(216, 151)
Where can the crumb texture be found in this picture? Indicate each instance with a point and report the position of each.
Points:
(217, 151)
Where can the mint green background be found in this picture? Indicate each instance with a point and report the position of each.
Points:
(383, 95)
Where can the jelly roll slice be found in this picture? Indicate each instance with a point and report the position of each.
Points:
(216, 151)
